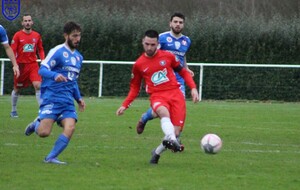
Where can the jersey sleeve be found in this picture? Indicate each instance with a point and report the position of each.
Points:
(47, 64)
(14, 43)
(135, 86)
(76, 93)
(183, 72)
(41, 49)
(3, 36)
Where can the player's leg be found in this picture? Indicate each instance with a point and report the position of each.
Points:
(68, 122)
(148, 115)
(37, 87)
(62, 141)
(156, 153)
(36, 79)
(178, 110)
(170, 140)
(14, 101)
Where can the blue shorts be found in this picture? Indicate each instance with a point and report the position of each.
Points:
(57, 112)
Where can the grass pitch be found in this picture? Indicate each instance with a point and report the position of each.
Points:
(261, 149)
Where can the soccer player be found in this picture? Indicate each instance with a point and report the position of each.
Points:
(156, 67)
(26, 43)
(178, 44)
(9, 51)
(59, 88)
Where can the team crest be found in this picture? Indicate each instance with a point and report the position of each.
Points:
(162, 63)
(177, 45)
(184, 42)
(73, 61)
(169, 39)
(65, 54)
(11, 9)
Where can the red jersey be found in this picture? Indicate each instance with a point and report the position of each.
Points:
(158, 74)
(25, 46)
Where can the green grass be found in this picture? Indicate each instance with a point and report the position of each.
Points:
(261, 149)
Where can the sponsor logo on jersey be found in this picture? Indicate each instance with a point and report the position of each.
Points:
(70, 68)
(11, 9)
(28, 48)
(160, 77)
(144, 70)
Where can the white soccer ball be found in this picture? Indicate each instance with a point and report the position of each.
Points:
(211, 143)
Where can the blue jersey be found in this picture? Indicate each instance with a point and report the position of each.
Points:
(3, 36)
(60, 60)
(178, 46)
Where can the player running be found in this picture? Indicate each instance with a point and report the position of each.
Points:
(178, 44)
(59, 88)
(26, 44)
(156, 67)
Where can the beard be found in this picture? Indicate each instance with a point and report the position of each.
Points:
(72, 45)
(176, 30)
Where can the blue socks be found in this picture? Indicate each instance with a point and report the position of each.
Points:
(36, 125)
(60, 144)
(147, 116)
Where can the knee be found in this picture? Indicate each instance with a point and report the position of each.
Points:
(37, 86)
(43, 133)
(69, 130)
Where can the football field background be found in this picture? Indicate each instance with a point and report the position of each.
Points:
(261, 149)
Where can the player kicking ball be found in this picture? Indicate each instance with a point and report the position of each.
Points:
(59, 88)
(156, 67)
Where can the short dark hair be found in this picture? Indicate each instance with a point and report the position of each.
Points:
(180, 15)
(70, 27)
(151, 34)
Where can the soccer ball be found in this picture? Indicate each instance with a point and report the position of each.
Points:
(211, 143)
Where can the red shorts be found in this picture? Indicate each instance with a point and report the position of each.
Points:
(174, 101)
(28, 74)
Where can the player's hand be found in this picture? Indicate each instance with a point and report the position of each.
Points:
(190, 71)
(16, 70)
(195, 95)
(81, 105)
(120, 111)
(61, 78)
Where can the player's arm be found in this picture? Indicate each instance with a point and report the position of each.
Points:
(187, 68)
(184, 73)
(14, 44)
(41, 49)
(46, 67)
(78, 98)
(135, 85)
(10, 54)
